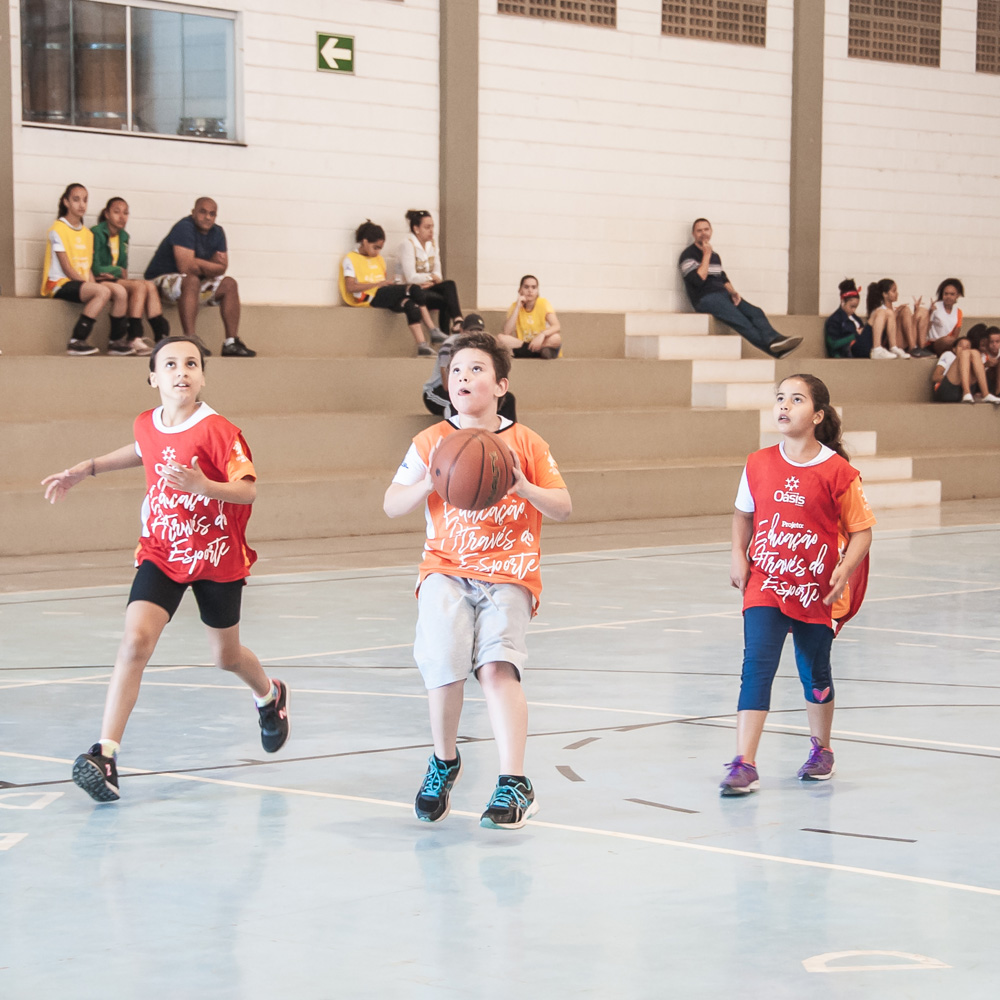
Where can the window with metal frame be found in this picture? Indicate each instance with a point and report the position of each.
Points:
(142, 67)
(603, 14)
(899, 31)
(988, 37)
(741, 22)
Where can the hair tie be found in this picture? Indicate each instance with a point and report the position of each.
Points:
(856, 294)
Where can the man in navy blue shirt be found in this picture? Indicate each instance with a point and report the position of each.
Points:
(710, 291)
(189, 269)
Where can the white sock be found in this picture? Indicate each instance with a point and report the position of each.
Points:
(230, 340)
(109, 748)
(268, 698)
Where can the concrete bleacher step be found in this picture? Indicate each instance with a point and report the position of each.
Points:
(733, 371)
(668, 348)
(52, 388)
(903, 493)
(41, 327)
(732, 395)
(857, 443)
(964, 472)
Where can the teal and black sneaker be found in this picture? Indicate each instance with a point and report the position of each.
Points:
(512, 803)
(432, 803)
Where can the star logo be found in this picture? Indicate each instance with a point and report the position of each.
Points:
(169, 454)
(791, 483)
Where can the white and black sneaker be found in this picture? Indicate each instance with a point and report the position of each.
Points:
(80, 348)
(97, 775)
(782, 346)
(120, 348)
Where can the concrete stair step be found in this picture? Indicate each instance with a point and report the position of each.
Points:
(733, 395)
(964, 472)
(41, 327)
(690, 324)
(668, 348)
(55, 388)
(883, 468)
(903, 493)
(760, 370)
(857, 443)
(913, 428)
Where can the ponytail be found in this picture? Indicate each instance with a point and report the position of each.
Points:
(875, 292)
(829, 431)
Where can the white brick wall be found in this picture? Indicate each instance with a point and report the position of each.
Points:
(323, 151)
(910, 187)
(598, 149)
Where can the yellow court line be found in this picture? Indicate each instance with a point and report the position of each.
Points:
(569, 828)
(90, 678)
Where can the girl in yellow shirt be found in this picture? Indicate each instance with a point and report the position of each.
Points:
(363, 282)
(69, 257)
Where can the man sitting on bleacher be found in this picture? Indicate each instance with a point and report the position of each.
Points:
(709, 289)
(189, 270)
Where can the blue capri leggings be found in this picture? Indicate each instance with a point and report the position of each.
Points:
(764, 631)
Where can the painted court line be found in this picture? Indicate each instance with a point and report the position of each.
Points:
(566, 828)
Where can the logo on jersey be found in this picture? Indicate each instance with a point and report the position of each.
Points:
(788, 494)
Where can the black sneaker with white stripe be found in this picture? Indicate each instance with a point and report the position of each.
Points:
(97, 775)
(274, 720)
(80, 348)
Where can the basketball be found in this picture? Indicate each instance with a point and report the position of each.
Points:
(472, 469)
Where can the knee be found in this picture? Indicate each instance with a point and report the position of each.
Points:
(190, 284)
(497, 673)
(137, 647)
(228, 286)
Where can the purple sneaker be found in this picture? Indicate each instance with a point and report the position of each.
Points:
(820, 765)
(742, 778)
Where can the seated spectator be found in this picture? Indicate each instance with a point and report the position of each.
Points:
(945, 317)
(420, 264)
(951, 379)
(68, 275)
(436, 397)
(710, 291)
(111, 264)
(892, 324)
(989, 346)
(363, 283)
(531, 329)
(845, 335)
(189, 270)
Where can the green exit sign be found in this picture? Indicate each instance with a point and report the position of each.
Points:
(334, 53)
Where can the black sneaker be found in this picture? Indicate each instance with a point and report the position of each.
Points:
(512, 803)
(438, 336)
(79, 348)
(782, 346)
(274, 720)
(237, 349)
(97, 775)
(121, 348)
(432, 802)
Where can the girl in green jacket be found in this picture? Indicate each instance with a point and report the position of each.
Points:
(111, 264)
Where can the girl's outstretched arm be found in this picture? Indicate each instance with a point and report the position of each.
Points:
(857, 548)
(59, 484)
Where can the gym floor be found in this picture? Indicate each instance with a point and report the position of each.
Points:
(221, 874)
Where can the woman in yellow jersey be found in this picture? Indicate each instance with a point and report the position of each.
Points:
(363, 283)
(69, 256)
(111, 264)
(532, 328)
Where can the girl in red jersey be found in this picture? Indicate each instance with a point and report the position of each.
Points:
(801, 534)
(200, 484)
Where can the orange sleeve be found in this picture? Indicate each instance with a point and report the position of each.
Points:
(855, 512)
(239, 465)
(543, 471)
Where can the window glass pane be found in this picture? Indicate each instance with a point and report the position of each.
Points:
(99, 65)
(182, 74)
(46, 87)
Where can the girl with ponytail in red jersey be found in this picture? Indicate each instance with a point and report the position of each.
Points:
(801, 534)
(200, 484)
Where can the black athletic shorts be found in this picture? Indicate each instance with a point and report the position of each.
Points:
(947, 392)
(218, 603)
(69, 292)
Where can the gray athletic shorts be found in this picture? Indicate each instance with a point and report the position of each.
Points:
(463, 624)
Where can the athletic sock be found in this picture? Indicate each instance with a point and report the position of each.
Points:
(134, 327)
(119, 327)
(110, 748)
(268, 698)
(448, 763)
(230, 340)
(159, 326)
(81, 331)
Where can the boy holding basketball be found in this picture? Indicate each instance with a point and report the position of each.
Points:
(479, 584)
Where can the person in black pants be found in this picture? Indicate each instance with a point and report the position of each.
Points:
(845, 335)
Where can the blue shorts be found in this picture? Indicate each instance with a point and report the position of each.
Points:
(764, 631)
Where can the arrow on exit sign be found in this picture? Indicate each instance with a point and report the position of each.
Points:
(335, 53)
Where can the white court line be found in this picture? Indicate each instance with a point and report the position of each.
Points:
(986, 651)
(921, 645)
(910, 631)
(335, 652)
(564, 827)
(883, 736)
(943, 593)
(88, 679)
